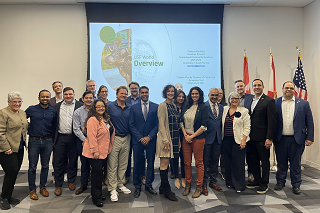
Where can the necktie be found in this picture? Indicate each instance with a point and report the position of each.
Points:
(214, 111)
(145, 110)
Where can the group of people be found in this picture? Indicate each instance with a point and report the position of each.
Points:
(104, 134)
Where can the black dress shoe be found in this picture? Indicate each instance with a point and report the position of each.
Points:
(98, 203)
(137, 192)
(296, 190)
(13, 201)
(151, 190)
(103, 198)
(278, 186)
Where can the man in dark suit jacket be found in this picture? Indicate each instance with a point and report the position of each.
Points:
(263, 115)
(212, 147)
(245, 101)
(295, 130)
(65, 146)
(143, 124)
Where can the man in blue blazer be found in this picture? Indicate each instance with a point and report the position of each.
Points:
(212, 147)
(295, 130)
(143, 124)
(245, 101)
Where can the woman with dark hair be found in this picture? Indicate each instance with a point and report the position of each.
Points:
(100, 134)
(194, 121)
(168, 138)
(103, 93)
(174, 163)
(13, 129)
(235, 134)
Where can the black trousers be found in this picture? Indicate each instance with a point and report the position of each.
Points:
(96, 177)
(211, 154)
(234, 159)
(65, 153)
(259, 153)
(11, 165)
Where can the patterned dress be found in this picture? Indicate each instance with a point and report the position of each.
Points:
(173, 118)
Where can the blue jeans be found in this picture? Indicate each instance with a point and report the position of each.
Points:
(36, 148)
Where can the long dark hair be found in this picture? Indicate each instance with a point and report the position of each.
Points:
(92, 112)
(184, 96)
(189, 99)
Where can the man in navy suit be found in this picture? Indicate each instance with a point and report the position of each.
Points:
(245, 101)
(263, 115)
(295, 130)
(143, 124)
(211, 151)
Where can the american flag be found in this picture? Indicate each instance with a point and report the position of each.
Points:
(300, 88)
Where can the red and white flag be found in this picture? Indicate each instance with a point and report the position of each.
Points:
(272, 82)
(300, 88)
(246, 75)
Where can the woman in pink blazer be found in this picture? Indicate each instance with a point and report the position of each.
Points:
(100, 134)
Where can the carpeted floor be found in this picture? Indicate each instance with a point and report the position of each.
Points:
(227, 201)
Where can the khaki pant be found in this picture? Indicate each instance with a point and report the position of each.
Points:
(118, 162)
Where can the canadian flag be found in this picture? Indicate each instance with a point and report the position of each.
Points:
(246, 75)
(272, 82)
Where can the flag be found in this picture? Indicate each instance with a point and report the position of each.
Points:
(272, 82)
(300, 88)
(246, 75)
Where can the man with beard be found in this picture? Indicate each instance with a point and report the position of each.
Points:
(41, 130)
(79, 117)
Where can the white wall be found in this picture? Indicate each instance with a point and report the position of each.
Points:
(40, 44)
(311, 60)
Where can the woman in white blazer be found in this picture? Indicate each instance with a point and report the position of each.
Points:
(235, 134)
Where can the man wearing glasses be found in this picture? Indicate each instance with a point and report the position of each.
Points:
(211, 151)
(92, 87)
(295, 130)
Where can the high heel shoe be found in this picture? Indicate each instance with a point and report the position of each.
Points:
(177, 183)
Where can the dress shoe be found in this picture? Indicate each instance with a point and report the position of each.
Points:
(215, 187)
(278, 186)
(126, 180)
(252, 185)
(205, 191)
(137, 192)
(151, 190)
(187, 189)
(13, 201)
(33, 195)
(177, 183)
(98, 204)
(71, 186)
(296, 190)
(57, 191)
(198, 192)
(143, 180)
(81, 189)
(44, 192)
(4, 204)
(183, 182)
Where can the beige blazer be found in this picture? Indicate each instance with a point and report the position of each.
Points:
(12, 125)
(241, 125)
(163, 132)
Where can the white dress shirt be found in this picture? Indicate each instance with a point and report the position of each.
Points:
(216, 106)
(287, 108)
(65, 118)
(254, 102)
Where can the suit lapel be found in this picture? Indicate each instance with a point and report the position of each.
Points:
(259, 102)
(210, 110)
(279, 109)
(296, 107)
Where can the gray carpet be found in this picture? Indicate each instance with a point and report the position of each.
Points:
(227, 201)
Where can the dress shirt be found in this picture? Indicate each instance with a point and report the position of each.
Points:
(142, 105)
(65, 118)
(287, 108)
(79, 116)
(254, 102)
(216, 106)
(119, 117)
(42, 120)
(134, 101)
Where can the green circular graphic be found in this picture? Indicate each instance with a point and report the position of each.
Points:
(107, 34)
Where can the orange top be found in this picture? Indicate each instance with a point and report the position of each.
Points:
(99, 139)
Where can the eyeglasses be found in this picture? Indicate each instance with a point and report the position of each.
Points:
(16, 102)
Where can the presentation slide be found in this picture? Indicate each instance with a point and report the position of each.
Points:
(154, 55)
